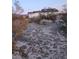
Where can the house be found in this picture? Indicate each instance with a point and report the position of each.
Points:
(42, 12)
(33, 14)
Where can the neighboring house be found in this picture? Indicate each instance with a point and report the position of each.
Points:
(33, 14)
(42, 12)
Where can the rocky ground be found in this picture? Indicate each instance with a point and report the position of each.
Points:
(41, 41)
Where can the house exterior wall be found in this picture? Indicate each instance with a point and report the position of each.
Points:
(33, 15)
(36, 14)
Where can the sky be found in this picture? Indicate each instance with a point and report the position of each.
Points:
(33, 5)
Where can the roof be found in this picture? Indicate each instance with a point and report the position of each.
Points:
(44, 10)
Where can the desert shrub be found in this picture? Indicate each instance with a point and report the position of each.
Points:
(35, 19)
(40, 17)
(64, 27)
(64, 17)
(51, 17)
(48, 17)
(19, 23)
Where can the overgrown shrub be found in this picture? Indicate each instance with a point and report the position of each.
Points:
(41, 17)
(64, 27)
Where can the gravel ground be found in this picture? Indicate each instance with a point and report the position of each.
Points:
(41, 42)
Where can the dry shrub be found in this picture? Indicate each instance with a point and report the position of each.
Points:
(19, 24)
(64, 28)
(41, 17)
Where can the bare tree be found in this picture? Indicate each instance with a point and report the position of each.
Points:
(65, 8)
(18, 9)
(13, 11)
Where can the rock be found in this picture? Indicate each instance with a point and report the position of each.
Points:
(16, 57)
(45, 22)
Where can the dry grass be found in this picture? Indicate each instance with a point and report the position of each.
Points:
(19, 24)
